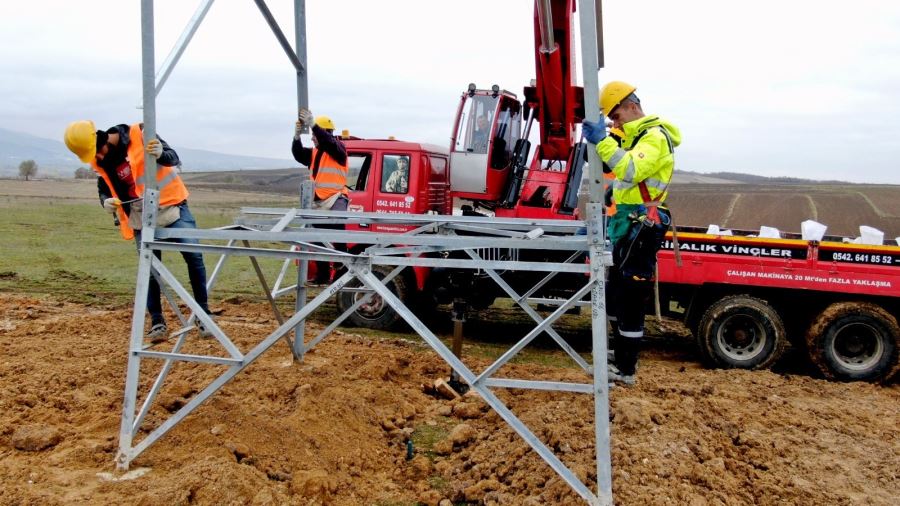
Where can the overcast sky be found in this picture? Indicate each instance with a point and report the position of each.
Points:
(777, 88)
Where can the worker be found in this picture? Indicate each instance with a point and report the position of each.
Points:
(327, 163)
(643, 167)
(117, 156)
(398, 181)
(481, 136)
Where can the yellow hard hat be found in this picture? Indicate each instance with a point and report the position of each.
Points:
(81, 139)
(613, 94)
(325, 122)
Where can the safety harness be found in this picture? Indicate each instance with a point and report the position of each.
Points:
(653, 205)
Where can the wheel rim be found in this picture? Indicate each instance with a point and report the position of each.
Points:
(857, 346)
(372, 309)
(741, 337)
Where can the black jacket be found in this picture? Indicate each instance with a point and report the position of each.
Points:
(327, 143)
(116, 156)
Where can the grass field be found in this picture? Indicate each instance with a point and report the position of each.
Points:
(56, 239)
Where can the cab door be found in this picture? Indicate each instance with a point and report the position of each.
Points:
(397, 175)
(360, 164)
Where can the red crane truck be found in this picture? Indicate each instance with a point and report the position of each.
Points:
(744, 298)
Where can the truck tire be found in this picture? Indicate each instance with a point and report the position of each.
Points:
(854, 341)
(741, 332)
(375, 314)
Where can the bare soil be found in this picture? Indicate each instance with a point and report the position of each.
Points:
(332, 430)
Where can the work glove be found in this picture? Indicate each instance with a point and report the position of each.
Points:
(154, 147)
(594, 132)
(111, 205)
(608, 196)
(306, 117)
(298, 129)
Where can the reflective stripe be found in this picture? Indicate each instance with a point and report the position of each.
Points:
(168, 179)
(616, 157)
(332, 170)
(629, 173)
(162, 183)
(656, 183)
(631, 333)
(651, 182)
(330, 185)
(612, 318)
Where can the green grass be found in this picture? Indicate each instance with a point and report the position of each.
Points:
(425, 436)
(73, 251)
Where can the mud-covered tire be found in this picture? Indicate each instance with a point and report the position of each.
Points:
(854, 341)
(741, 332)
(375, 314)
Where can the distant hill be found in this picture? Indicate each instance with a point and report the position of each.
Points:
(754, 179)
(54, 159)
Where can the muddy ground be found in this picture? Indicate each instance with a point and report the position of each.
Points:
(333, 429)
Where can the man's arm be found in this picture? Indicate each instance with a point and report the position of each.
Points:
(330, 145)
(169, 157)
(103, 190)
(301, 154)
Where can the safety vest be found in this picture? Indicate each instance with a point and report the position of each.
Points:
(171, 188)
(330, 176)
(609, 179)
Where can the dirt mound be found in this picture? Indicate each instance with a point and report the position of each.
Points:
(334, 429)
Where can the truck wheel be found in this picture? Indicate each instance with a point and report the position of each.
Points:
(741, 332)
(376, 313)
(852, 341)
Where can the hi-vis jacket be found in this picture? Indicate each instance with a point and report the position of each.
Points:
(647, 155)
(171, 188)
(329, 175)
(327, 163)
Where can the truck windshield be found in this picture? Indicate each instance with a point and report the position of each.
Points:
(474, 133)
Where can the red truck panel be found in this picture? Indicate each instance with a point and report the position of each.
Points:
(782, 263)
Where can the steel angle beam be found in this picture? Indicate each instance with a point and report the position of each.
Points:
(536, 317)
(378, 260)
(353, 217)
(486, 394)
(566, 243)
(127, 452)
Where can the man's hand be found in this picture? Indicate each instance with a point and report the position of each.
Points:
(298, 129)
(112, 205)
(154, 147)
(593, 132)
(306, 117)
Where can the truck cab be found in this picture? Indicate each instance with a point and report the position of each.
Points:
(397, 177)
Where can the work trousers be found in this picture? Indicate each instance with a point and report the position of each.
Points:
(629, 287)
(195, 267)
(323, 268)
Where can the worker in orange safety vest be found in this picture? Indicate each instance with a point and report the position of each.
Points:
(117, 156)
(327, 162)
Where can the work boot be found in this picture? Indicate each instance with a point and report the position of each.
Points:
(204, 332)
(158, 333)
(616, 376)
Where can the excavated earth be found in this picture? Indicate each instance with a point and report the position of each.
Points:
(333, 429)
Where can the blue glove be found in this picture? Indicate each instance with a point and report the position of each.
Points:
(593, 132)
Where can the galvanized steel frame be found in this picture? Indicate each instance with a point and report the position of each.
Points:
(429, 234)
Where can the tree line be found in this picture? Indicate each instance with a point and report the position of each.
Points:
(28, 169)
